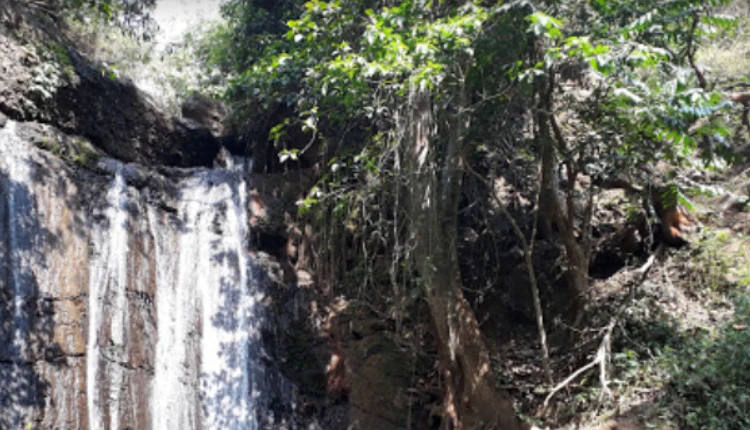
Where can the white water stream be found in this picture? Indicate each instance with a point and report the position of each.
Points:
(206, 308)
(108, 278)
(170, 316)
(19, 214)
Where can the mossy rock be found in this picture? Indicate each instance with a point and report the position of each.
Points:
(75, 150)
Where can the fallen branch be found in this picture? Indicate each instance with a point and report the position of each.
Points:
(601, 359)
(602, 353)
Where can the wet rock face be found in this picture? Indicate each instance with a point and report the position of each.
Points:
(43, 284)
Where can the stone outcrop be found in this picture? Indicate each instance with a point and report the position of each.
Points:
(208, 112)
(45, 79)
(378, 372)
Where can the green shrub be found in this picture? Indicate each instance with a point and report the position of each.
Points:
(712, 382)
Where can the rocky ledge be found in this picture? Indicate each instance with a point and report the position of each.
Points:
(44, 78)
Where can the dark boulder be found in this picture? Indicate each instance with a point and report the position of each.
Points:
(206, 111)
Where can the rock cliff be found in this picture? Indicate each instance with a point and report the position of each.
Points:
(132, 290)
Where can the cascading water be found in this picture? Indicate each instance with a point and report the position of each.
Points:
(207, 308)
(108, 278)
(144, 291)
(17, 254)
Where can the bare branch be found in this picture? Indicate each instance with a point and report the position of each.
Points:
(528, 249)
(602, 353)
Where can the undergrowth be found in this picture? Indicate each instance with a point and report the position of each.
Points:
(681, 351)
(727, 57)
(694, 372)
(709, 386)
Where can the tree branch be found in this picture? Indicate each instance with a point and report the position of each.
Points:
(602, 353)
(691, 53)
(528, 249)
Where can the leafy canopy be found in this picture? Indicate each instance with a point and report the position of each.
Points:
(644, 95)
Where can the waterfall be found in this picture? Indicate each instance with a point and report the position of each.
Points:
(207, 305)
(19, 206)
(213, 264)
(108, 279)
(17, 254)
(206, 308)
(131, 296)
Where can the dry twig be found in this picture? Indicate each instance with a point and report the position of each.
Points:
(603, 352)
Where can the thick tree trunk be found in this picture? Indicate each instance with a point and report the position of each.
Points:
(471, 399)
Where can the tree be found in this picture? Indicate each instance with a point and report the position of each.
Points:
(132, 16)
(387, 92)
(644, 96)
(400, 72)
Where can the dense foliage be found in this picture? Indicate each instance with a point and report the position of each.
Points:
(132, 16)
(589, 90)
(710, 384)
(351, 60)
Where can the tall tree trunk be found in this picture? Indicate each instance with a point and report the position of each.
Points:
(471, 401)
(551, 206)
